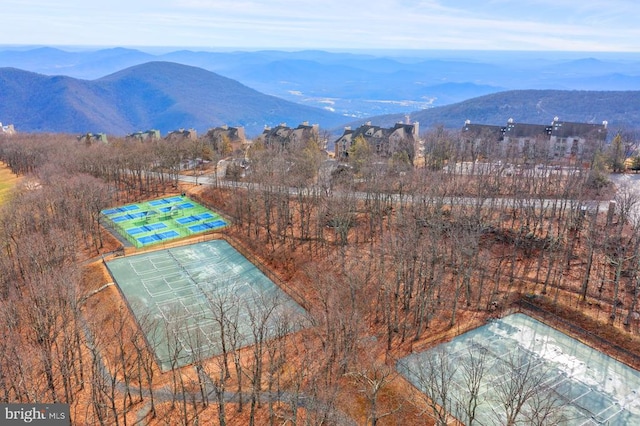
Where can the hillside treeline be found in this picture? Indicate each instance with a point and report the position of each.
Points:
(383, 255)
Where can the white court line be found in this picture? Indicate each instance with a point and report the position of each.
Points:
(173, 317)
(156, 294)
(163, 264)
(139, 271)
(159, 293)
(250, 295)
(203, 346)
(198, 310)
(179, 284)
(606, 421)
(554, 382)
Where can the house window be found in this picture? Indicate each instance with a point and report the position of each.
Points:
(575, 146)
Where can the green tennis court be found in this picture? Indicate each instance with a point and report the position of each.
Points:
(581, 386)
(197, 299)
(161, 220)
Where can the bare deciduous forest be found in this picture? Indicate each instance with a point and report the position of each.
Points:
(387, 257)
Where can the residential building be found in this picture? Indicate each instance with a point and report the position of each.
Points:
(235, 135)
(226, 139)
(576, 139)
(561, 140)
(282, 135)
(191, 134)
(383, 141)
(525, 140)
(7, 129)
(89, 138)
(482, 140)
(151, 134)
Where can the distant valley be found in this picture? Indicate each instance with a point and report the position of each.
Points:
(156, 95)
(364, 84)
(620, 109)
(119, 91)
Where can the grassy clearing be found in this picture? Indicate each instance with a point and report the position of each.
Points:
(7, 181)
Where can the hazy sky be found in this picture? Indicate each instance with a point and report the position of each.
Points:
(569, 25)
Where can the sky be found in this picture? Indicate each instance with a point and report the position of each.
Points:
(562, 25)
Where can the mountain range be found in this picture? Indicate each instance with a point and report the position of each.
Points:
(119, 91)
(159, 95)
(359, 84)
(620, 109)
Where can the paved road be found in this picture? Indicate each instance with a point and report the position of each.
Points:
(631, 180)
(469, 201)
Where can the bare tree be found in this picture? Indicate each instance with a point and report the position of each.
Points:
(434, 376)
(473, 369)
(370, 382)
(261, 318)
(521, 389)
(145, 342)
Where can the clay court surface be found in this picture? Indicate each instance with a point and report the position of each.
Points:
(180, 297)
(590, 387)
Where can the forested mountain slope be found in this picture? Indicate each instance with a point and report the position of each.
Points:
(621, 109)
(160, 95)
(168, 96)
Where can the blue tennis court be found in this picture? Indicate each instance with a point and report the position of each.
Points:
(207, 226)
(163, 201)
(139, 223)
(118, 210)
(175, 207)
(146, 228)
(154, 238)
(185, 220)
(194, 218)
(129, 216)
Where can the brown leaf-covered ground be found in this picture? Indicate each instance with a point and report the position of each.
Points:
(560, 307)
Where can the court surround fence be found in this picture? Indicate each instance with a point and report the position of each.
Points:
(613, 348)
(589, 386)
(162, 282)
(156, 221)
